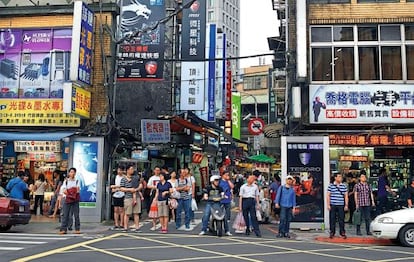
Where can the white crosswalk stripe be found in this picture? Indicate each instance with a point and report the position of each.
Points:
(19, 241)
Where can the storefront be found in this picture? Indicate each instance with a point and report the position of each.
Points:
(349, 154)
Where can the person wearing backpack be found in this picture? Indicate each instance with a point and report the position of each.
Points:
(71, 191)
(184, 202)
(286, 202)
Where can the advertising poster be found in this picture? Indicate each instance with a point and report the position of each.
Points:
(155, 131)
(34, 63)
(236, 116)
(307, 160)
(85, 160)
(141, 56)
(361, 104)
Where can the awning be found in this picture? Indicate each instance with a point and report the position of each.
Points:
(35, 136)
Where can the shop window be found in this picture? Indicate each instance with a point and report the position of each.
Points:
(321, 34)
(409, 32)
(343, 33)
(368, 63)
(322, 64)
(344, 63)
(390, 33)
(391, 62)
(410, 62)
(367, 33)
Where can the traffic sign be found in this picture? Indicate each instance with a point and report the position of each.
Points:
(256, 126)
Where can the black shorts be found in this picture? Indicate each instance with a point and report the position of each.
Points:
(118, 202)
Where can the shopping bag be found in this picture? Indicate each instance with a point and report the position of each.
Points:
(356, 217)
(259, 215)
(153, 210)
(194, 206)
(173, 203)
(239, 225)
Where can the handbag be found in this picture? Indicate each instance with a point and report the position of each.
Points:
(239, 224)
(259, 215)
(175, 194)
(72, 195)
(356, 217)
(173, 203)
(153, 210)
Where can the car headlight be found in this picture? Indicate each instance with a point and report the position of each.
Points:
(385, 220)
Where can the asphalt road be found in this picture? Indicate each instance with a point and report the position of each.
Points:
(188, 246)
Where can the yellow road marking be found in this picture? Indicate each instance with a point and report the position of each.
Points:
(62, 249)
(195, 249)
(112, 254)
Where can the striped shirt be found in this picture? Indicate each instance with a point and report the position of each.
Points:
(337, 197)
(363, 191)
(182, 183)
(127, 183)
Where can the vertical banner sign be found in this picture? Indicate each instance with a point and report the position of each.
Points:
(211, 83)
(219, 90)
(307, 160)
(236, 116)
(82, 40)
(141, 56)
(228, 91)
(272, 99)
(85, 156)
(193, 45)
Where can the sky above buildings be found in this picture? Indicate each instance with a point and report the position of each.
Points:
(258, 21)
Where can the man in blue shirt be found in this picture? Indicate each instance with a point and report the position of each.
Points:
(17, 186)
(286, 201)
(227, 187)
(337, 203)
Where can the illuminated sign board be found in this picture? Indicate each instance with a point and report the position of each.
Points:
(361, 104)
(82, 41)
(372, 140)
(35, 112)
(76, 100)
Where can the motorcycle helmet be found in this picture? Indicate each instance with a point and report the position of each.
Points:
(214, 177)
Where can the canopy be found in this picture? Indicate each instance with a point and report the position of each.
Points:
(262, 158)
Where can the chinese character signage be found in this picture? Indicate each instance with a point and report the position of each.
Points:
(37, 146)
(82, 42)
(228, 95)
(76, 100)
(192, 86)
(34, 63)
(141, 56)
(155, 131)
(372, 140)
(193, 31)
(361, 104)
(211, 74)
(35, 112)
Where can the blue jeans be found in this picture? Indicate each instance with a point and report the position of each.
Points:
(337, 212)
(183, 204)
(285, 218)
(206, 216)
(249, 209)
(68, 209)
(227, 207)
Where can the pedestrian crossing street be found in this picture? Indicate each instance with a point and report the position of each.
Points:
(19, 241)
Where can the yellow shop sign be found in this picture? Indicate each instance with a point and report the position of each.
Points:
(35, 112)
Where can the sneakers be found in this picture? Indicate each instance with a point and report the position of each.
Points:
(228, 234)
(343, 236)
(62, 232)
(187, 229)
(280, 235)
(153, 228)
(287, 235)
(202, 233)
(369, 233)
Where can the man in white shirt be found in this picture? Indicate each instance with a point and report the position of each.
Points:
(248, 203)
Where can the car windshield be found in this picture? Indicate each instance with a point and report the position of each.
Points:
(3, 192)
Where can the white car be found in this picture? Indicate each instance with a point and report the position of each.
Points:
(397, 225)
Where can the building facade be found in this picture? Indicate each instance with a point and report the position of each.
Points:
(355, 74)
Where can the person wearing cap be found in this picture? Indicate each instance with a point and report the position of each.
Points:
(248, 203)
(17, 186)
(286, 201)
(227, 186)
(213, 194)
(410, 193)
(337, 203)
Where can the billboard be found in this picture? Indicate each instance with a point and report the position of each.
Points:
(192, 86)
(34, 63)
(35, 112)
(193, 31)
(211, 73)
(82, 43)
(77, 100)
(141, 56)
(307, 160)
(361, 104)
(155, 131)
(236, 116)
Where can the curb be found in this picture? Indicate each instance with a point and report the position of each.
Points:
(356, 240)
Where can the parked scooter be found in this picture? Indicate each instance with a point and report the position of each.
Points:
(216, 224)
